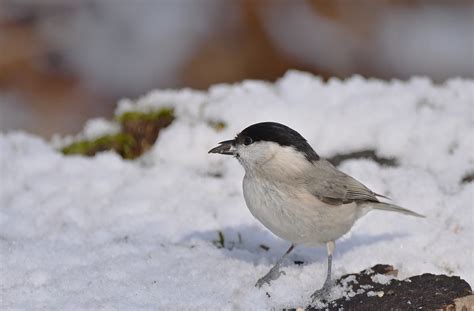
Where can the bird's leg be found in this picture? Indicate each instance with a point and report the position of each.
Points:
(326, 289)
(274, 272)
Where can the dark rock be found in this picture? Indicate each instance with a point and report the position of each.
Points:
(362, 154)
(421, 292)
(469, 177)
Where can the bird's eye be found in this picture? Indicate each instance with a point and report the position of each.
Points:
(247, 141)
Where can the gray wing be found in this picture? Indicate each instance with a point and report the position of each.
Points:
(334, 187)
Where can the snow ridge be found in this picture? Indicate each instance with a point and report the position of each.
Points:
(106, 233)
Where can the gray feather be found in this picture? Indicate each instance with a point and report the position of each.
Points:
(335, 187)
(394, 208)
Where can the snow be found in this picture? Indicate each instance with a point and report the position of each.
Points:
(382, 279)
(106, 233)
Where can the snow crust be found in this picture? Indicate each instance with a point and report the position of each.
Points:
(106, 233)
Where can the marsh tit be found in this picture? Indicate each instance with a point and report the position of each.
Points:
(297, 195)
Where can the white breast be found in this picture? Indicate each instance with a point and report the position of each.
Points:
(294, 214)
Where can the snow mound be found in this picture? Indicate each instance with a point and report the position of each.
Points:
(107, 233)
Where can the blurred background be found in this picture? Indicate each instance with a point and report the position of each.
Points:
(62, 62)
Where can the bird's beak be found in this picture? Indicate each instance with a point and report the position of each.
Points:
(225, 147)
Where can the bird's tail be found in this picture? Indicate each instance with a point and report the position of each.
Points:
(394, 208)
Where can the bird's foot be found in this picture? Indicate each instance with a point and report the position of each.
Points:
(323, 293)
(272, 275)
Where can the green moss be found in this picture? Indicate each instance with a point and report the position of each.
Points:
(163, 113)
(122, 143)
(217, 125)
(220, 242)
(138, 132)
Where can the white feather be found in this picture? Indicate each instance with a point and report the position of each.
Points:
(275, 195)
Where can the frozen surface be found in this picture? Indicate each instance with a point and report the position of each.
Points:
(105, 233)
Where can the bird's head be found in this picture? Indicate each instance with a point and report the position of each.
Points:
(268, 145)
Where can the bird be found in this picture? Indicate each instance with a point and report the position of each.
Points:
(297, 195)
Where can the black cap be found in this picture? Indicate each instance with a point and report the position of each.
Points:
(277, 133)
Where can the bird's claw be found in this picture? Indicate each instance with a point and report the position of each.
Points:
(322, 293)
(272, 275)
